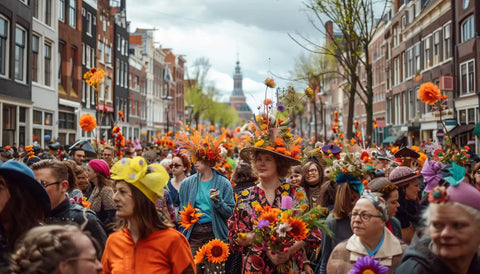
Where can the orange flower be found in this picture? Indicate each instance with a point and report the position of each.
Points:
(211, 128)
(279, 141)
(270, 148)
(216, 251)
(270, 214)
(189, 216)
(280, 149)
(200, 255)
(299, 229)
(87, 122)
(269, 82)
(8, 147)
(467, 148)
(120, 113)
(300, 195)
(429, 93)
(268, 101)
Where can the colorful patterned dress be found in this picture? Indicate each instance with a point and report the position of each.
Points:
(255, 260)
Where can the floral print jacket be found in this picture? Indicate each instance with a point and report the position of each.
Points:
(255, 260)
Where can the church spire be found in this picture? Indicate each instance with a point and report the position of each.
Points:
(237, 81)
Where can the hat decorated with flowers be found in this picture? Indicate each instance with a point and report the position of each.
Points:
(270, 132)
(149, 179)
(349, 169)
(201, 145)
(462, 193)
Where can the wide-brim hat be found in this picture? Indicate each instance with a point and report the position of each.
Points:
(21, 174)
(406, 152)
(402, 175)
(247, 154)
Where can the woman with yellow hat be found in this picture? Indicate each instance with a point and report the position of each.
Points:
(146, 241)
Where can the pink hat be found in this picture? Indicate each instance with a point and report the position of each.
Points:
(401, 175)
(465, 194)
(100, 166)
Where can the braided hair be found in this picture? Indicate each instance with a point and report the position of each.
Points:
(43, 248)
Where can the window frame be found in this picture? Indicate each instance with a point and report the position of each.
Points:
(72, 13)
(469, 77)
(47, 63)
(467, 25)
(24, 48)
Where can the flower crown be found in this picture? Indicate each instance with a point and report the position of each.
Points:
(348, 164)
(201, 147)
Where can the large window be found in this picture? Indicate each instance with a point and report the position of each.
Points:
(108, 55)
(436, 48)
(48, 12)
(20, 54)
(108, 89)
(3, 46)
(61, 10)
(72, 15)
(467, 77)
(447, 47)
(47, 61)
(35, 51)
(35, 8)
(100, 52)
(418, 67)
(66, 120)
(427, 51)
(89, 24)
(467, 29)
(410, 71)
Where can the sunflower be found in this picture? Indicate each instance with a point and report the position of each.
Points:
(87, 122)
(216, 251)
(299, 229)
(189, 216)
(270, 214)
(200, 255)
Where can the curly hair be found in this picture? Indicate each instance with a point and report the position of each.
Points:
(43, 248)
(387, 190)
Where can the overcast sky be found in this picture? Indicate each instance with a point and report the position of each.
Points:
(219, 29)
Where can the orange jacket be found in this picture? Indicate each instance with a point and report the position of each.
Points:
(163, 251)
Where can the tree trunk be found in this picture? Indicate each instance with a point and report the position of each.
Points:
(369, 105)
(351, 107)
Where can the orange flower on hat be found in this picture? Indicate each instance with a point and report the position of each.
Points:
(279, 141)
(216, 251)
(87, 122)
(429, 93)
(189, 216)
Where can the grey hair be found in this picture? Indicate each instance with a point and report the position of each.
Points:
(427, 213)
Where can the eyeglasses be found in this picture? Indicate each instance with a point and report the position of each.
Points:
(175, 165)
(47, 184)
(313, 170)
(364, 216)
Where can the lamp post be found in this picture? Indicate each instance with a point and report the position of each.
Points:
(168, 99)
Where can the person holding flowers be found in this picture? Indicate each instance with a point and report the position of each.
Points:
(145, 241)
(207, 190)
(271, 150)
(370, 237)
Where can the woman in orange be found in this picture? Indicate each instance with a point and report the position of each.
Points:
(146, 242)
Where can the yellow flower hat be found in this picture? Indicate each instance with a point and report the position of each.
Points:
(149, 179)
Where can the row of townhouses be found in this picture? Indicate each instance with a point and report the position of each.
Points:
(417, 41)
(45, 48)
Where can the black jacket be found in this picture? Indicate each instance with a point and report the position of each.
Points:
(68, 213)
(419, 259)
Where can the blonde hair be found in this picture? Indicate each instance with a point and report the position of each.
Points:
(43, 248)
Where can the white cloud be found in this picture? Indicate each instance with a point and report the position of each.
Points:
(219, 29)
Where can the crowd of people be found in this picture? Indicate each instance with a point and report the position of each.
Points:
(256, 199)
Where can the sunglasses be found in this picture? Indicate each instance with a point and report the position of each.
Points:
(175, 165)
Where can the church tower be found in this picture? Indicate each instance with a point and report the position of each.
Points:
(238, 99)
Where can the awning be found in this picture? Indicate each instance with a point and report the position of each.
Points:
(476, 131)
(461, 129)
(390, 139)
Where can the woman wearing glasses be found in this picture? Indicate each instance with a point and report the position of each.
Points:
(68, 249)
(370, 237)
(180, 167)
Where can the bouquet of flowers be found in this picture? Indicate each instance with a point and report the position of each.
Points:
(213, 254)
(278, 229)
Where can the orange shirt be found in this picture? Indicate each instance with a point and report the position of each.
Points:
(163, 251)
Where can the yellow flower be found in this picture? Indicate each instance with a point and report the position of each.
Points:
(286, 186)
(309, 92)
(264, 126)
(304, 207)
(259, 143)
(288, 135)
(245, 192)
(284, 194)
(300, 195)
(255, 203)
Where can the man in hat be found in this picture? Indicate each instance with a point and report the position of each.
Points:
(53, 175)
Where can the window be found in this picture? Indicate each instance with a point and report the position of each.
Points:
(100, 52)
(84, 53)
(447, 47)
(72, 16)
(61, 50)
(467, 74)
(417, 59)
(48, 119)
(101, 92)
(121, 73)
(92, 56)
(66, 120)
(35, 9)
(87, 56)
(89, 24)
(427, 50)
(108, 89)
(37, 117)
(104, 23)
(463, 116)
(467, 29)
(118, 41)
(412, 101)
(436, 48)
(61, 10)
(35, 50)
(20, 53)
(108, 55)
(48, 12)
(3, 46)
(48, 64)
(471, 116)
(117, 71)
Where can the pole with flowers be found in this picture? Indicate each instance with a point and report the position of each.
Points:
(431, 95)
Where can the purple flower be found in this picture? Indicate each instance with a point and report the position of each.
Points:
(280, 107)
(287, 202)
(368, 263)
(263, 224)
(431, 174)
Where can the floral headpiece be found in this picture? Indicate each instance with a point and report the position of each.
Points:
(199, 147)
(348, 164)
(313, 154)
(378, 202)
(269, 131)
